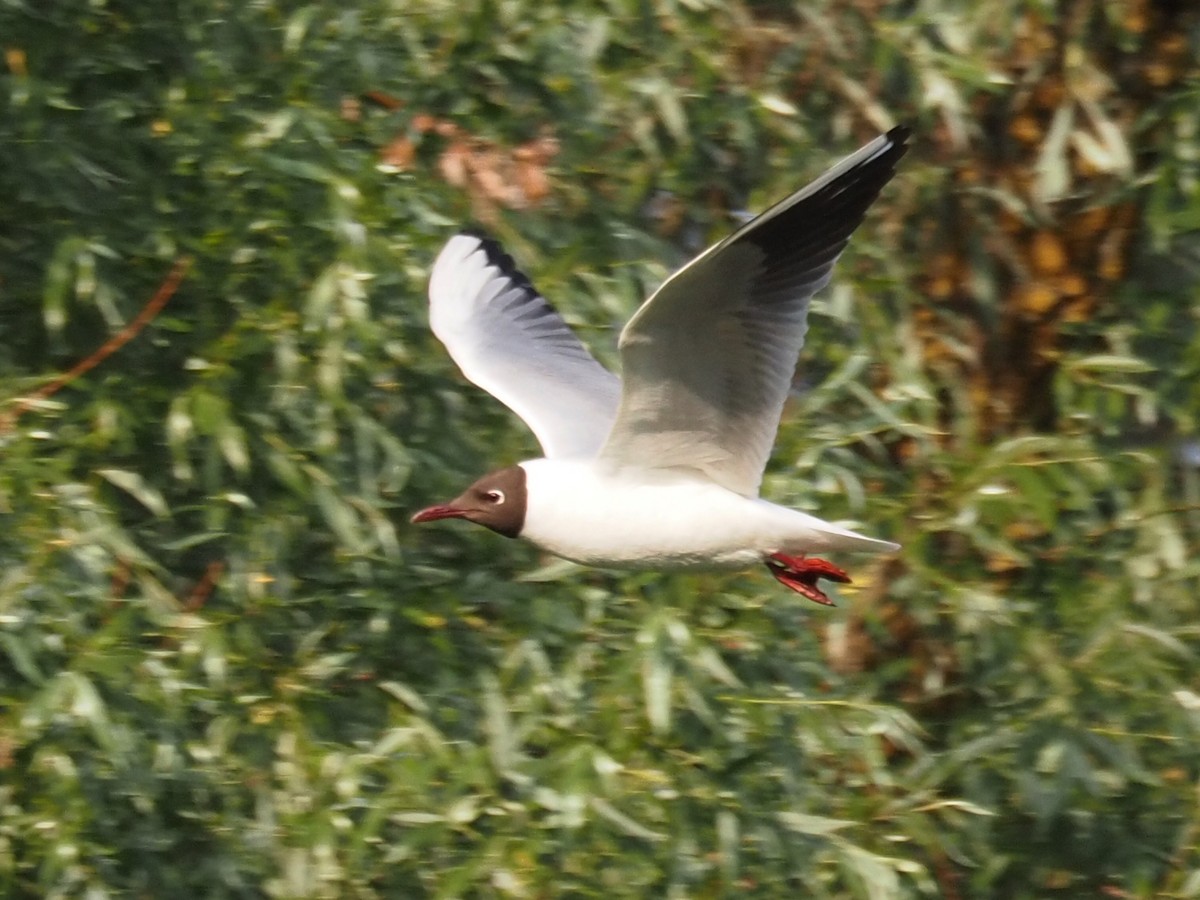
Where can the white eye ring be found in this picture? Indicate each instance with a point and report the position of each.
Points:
(495, 496)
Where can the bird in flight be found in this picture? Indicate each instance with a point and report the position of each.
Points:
(661, 468)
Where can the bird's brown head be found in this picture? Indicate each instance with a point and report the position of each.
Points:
(497, 501)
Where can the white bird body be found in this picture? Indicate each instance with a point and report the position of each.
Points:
(662, 467)
(656, 519)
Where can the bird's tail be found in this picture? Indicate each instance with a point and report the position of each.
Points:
(817, 535)
(840, 539)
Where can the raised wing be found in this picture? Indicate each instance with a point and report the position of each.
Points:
(509, 341)
(708, 360)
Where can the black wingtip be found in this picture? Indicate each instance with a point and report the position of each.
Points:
(497, 256)
(812, 226)
(899, 137)
(900, 134)
(491, 247)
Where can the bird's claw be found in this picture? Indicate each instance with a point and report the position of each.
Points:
(800, 574)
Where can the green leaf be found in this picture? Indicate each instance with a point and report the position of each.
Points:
(58, 283)
(1109, 362)
(134, 485)
(817, 826)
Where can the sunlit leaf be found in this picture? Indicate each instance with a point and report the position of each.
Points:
(804, 823)
(137, 487)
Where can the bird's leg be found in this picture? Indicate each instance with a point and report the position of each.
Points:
(801, 574)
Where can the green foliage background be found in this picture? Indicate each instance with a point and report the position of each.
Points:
(230, 668)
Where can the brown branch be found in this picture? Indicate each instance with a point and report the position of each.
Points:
(204, 587)
(165, 292)
(120, 579)
(117, 586)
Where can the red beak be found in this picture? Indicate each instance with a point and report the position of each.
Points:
(443, 511)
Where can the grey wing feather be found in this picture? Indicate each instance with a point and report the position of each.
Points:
(709, 358)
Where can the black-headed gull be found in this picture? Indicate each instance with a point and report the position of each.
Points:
(661, 468)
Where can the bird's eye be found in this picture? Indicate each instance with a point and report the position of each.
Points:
(496, 497)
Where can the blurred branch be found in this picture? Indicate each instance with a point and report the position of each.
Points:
(204, 587)
(165, 292)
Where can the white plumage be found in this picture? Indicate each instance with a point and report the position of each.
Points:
(511, 343)
(663, 519)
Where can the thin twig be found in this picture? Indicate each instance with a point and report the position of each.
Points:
(204, 587)
(165, 292)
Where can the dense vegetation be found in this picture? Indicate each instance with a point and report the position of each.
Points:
(230, 668)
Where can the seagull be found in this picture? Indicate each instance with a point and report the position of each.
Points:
(661, 468)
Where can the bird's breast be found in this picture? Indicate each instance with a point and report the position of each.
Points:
(652, 520)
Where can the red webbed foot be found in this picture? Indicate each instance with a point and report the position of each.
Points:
(801, 574)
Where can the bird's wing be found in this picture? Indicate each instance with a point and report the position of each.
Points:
(508, 340)
(708, 360)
